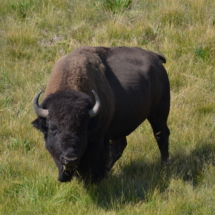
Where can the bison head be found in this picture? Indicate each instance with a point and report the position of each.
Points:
(66, 119)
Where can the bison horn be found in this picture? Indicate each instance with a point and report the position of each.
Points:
(94, 111)
(38, 110)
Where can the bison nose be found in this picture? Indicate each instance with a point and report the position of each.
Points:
(69, 161)
(65, 161)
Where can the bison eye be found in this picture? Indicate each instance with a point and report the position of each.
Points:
(53, 129)
(75, 146)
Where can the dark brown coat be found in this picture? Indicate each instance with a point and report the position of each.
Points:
(132, 85)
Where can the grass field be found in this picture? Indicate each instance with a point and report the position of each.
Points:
(35, 33)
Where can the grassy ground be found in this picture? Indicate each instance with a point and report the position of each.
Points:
(35, 33)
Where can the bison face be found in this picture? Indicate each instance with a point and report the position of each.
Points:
(67, 129)
(66, 146)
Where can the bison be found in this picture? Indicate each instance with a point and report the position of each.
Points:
(95, 97)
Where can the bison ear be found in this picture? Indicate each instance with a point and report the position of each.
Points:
(40, 124)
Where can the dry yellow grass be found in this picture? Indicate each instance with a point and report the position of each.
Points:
(35, 33)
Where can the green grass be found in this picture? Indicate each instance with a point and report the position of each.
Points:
(34, 34)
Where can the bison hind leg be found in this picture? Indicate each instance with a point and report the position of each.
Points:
(161, 132)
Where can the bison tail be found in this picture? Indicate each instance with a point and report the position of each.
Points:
(162, 58)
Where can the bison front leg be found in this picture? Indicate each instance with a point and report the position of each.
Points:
(117, 147)
(94, 164)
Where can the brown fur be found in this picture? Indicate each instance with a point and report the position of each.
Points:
(83, 70)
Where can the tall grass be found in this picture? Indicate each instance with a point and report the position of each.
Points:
(34, 34)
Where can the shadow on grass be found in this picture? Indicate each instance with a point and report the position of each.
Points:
(139, 180)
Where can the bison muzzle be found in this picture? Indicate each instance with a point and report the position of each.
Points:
(95, 97)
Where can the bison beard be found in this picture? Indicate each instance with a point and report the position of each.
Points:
(85, 131)
(69, 135)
